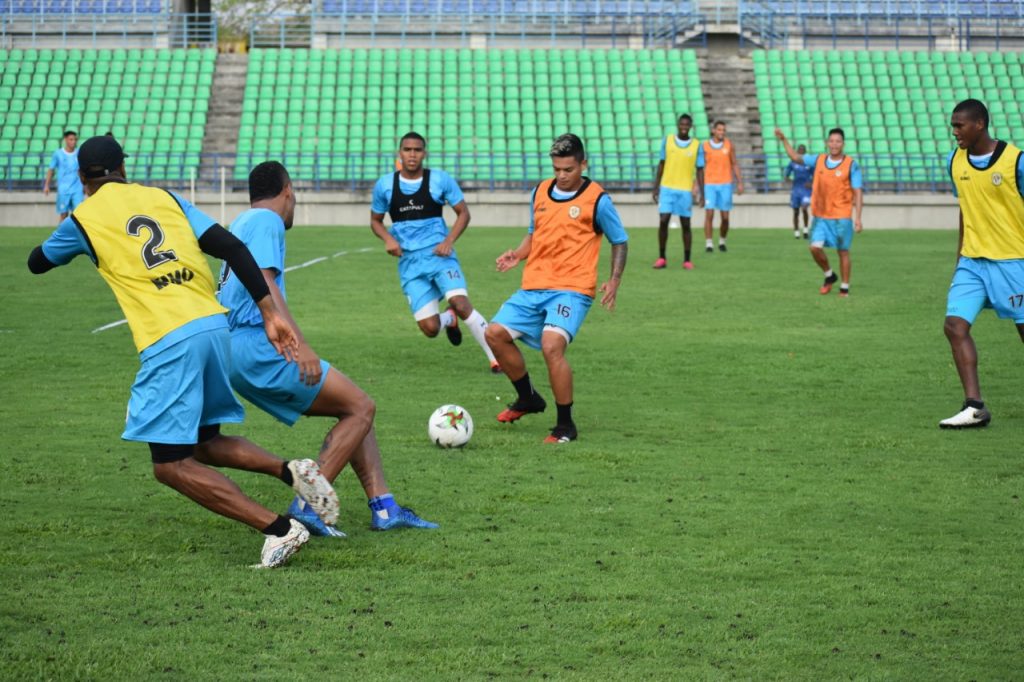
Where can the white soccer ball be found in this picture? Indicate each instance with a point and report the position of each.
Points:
(450, 426)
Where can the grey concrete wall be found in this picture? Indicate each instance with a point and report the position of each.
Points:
(510, 209)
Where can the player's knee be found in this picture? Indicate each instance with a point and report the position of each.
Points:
(430, 327)
(496, 335)
(552, 347)
(463, 308)
(168, 473)
(955, 328)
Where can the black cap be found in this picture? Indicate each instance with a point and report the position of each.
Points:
(100, 156)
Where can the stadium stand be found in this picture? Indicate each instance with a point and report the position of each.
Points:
(886, 9)
(419, 8)
(154, 102)
(894, 106)
(82, 7)
(336, 116)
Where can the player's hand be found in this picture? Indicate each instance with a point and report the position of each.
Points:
(280, 334)
(656, 194)
(858, 225)
(778, 134)
(739, 188)
(46, 190)
(310, 370)
(392, 247)
(698, 200)
(610, 290)
(507, 260)
(443, 249)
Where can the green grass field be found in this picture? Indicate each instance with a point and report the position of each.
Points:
(760, 490)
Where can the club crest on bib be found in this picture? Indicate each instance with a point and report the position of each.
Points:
(997, 179)
(574, 212)
(839, 173)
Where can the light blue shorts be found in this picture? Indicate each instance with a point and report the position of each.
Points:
(267, 380)
(181, 388)
(718, 197)
(800, 197)
(834, 233)
(66, 203)
(981, 283)
(528, 312)
(675, 202)
(427, 277)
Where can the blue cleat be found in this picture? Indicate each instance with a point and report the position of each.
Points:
(404, 518)
(304, 514)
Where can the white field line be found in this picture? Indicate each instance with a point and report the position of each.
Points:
(288, 269)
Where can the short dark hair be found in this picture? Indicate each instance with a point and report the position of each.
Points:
(974, 109)
(412, 135)
(70, 132)
(837, 131)
(686, 116)
(110, 133)
(568, 145)
(267, 180)
(718, 123)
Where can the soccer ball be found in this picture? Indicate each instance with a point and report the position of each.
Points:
(450, 426)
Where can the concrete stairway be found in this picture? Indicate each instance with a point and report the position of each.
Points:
(731, 96)
(222, 121)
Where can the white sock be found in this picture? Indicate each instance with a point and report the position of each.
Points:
(721, 241)
(446, 318)
(477, 326)
(844, 285)
(829, 273)
(709, 243)
(796, 233)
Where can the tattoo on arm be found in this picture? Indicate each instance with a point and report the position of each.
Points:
(619, 259)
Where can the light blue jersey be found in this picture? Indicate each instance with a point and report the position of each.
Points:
(262, 231)
(856, 180)
(65, 166)
(413, 235)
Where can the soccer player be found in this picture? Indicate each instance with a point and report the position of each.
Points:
(312, 387)
(720, 170)
(988, 181)
(428, 267)
(148, 244)
(561, 249)
(837, 201)
(800, 196)
(64, 163)
(678, 185)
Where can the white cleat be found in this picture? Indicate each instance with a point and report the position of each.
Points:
(277, 550)
(316, 490)
(967, 418)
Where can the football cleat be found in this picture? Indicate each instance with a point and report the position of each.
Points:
(316, 490)
(709, 249)
(844, 293)
(519, 409)
(277, 550)
(659, 264)
(495, 367)
(721, 247)
(967, 418)
(562, 434)
(829, 281)
(452, 331)
(405, 518)
(304, 514)
(687, 265)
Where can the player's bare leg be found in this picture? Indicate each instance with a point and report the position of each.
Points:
(553, 345)
(965, 355)
(663, 221)
(528, 401)
(431, 326)
(212, 490)
(821, 259)
(354, 409)
(723, 229)
(684, 223)
(709, 225)
(796, 222)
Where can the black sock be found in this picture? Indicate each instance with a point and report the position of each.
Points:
(662, 252)
(686, 254)
(564, 414)
(286, 474)
(523, 387)
(281, 526)
(976, 404)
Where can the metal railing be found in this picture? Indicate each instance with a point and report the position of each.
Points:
(500, 30)
(883, 10)
(108, 30)
(620, 171)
